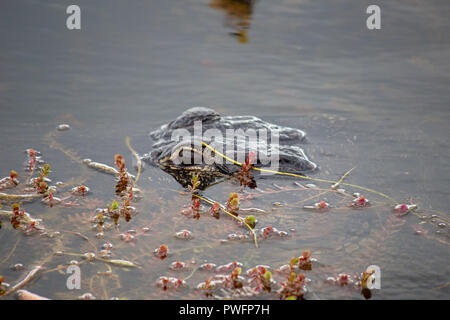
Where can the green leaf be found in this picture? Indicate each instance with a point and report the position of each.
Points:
(114, 205)
(292, 277)
(250, 220)
(267, 276)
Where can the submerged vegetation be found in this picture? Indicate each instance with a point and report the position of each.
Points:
(105, 240)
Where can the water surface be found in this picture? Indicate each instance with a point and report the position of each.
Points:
(377, 100)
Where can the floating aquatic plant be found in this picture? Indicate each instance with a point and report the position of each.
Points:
(3, 286)
(321, 205)
(251, 221)
(207, 286)
(304, 261)
(87, 296)
(170, 283)
(40, 183)
(215, 210)
(17, 214)
(178, 266)
(184, 234)
(208, 266)
(360, 201)
(294, 287)
(244, 175)
(233, 203)
(123, 178)
(162, 251)
(195, 183)
(237, 283)
(80, 190)
(271, 231)
(266, 279)
(32, 160)
(195, 208)
(9, 182)
(404, 208)
(261, 277)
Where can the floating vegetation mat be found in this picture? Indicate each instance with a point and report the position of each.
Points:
(294, 238)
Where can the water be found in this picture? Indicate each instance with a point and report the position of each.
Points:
(377, 100)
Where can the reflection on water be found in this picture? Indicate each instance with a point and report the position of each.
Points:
(238, 16)
(377, 101)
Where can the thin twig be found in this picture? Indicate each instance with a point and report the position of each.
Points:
(334, 186)
(84, 237)
(139, 163)
(31, 275)
(442, 286)
(302, 176)
(190, 275)
(11, 252)
(232, 215)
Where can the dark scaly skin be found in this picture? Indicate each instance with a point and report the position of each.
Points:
(165, 149)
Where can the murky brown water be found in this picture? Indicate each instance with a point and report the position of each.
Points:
(377, 100)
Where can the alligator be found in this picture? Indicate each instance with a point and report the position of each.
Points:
(178, 146)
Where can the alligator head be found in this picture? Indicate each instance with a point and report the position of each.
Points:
(178, 147)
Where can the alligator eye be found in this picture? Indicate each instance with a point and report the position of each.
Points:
(186, 160)
(178, 157)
